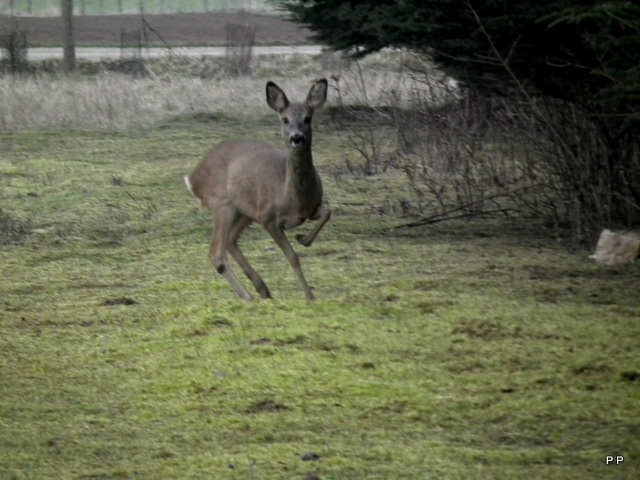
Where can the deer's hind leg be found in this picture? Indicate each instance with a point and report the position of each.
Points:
(236, 230)
(225, 218)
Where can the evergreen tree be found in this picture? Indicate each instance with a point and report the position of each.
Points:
(581, 57)
(581, 51)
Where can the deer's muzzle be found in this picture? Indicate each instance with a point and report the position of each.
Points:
(296, 139)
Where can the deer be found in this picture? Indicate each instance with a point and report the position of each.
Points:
(244, 181)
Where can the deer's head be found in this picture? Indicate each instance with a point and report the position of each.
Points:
(296, 117)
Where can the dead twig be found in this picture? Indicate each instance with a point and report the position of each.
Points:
(464, 211)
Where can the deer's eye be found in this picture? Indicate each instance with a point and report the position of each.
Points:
(307, 120)
(285, 120)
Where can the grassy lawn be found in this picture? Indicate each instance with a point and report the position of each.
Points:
(475, 351)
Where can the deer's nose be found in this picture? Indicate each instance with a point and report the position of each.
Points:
(296, 139)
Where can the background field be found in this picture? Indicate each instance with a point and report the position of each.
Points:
(113, 7)
(176, 29)
(476, 350)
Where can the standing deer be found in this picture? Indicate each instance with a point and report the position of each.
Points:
(242, 181)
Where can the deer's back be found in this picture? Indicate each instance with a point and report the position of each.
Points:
(246, 173)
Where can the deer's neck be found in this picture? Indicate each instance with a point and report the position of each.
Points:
(301, 174)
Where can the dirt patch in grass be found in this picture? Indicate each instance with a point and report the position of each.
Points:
(111, 302)
(266, 406)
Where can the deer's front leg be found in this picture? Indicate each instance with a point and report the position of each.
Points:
(278, 235)
(322, 214)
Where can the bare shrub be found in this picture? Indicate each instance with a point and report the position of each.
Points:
(592, 164)
(131, 60)
(458, 159)
(15, 47)
(467, 155)
(457, 151)
(240, 42)
(372, 94)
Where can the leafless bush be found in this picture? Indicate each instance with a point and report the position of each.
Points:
(131, 60)
(14, 45)
(457, 151)
(372, 95)
(240, 42)
(466, 154)
(593, 165)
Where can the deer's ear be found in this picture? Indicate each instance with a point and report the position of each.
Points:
(276, 97)
(318, 94)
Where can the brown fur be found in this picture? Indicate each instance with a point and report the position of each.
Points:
(242, 181)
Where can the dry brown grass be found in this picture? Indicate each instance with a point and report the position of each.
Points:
(176, 87)
(116, 101)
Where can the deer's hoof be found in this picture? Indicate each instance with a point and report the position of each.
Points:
(303, 240)
(265, 293)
